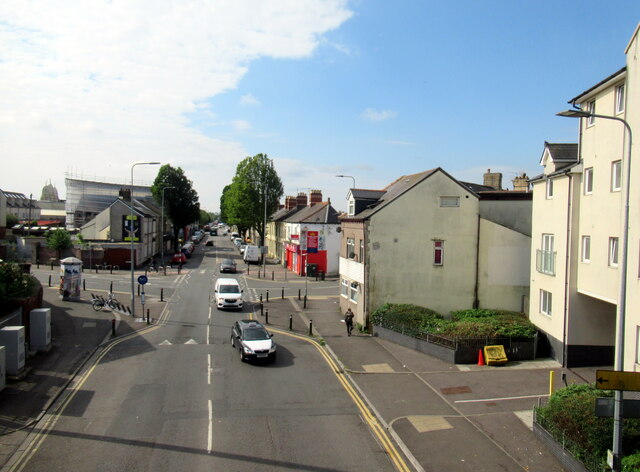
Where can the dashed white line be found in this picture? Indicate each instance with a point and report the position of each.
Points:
(210, 432)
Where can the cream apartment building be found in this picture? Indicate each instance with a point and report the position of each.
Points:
(577, 229)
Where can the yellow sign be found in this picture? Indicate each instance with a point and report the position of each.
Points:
(617, 380)
(495, 355)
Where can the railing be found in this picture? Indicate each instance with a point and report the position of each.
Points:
(546, 262)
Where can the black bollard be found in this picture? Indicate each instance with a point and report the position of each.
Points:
(283, 293)
(113, 327)
(267, 296)
(161, 294)
(305, 301)
(298, 294)
(266, 316)
(273, 275)
(49, 281)
(258, 272)
(51, 265)
(248, 269)
(84, 285)
(111, 287)
(261, 309)
(290, 322)
(38, 265)
(261, 299)
(165, 270)
(310, 327)
(148, 322)
(111, 270)
(138, 289)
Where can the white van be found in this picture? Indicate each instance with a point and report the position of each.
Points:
(228, 294)
(251, 254)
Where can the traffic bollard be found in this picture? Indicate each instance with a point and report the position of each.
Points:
(260, 298)
(51, 265)
(84, 285)
(261, 309)
(111, 270)
(161, 294)
(267, 296)
(113, 327)
(310, 327)
(258, 273)
(266, 316)
(283, 293)
(38, 264)
(305, 301)
(96, 269)
(49, 281)
(111, 287)
(248, 269)
(273, 275)
(290, 322)
(138, 289)
(148, 321)
(298, 294)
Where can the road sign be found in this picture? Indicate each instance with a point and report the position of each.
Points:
(143, 279)
(617, 380)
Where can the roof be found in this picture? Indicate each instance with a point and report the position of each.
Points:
(597, 86)
(562, 154)
(478, 187)
(321, 212)
(284, 213)
(365, 194)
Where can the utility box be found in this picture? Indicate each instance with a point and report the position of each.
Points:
(495, 355)
(40, 329)
(3, 370)
(12, 338)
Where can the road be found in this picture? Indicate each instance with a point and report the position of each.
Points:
(177, 397)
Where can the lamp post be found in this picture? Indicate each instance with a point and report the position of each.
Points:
(349, 177)
(132, 234)
(622, 297)
(162, 227)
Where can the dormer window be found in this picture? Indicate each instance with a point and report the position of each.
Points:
(352, 207)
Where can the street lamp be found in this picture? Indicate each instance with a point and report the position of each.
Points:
(132, 233)
(349, 177)
(162, 227)
(622, 297)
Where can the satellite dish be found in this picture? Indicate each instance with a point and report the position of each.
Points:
(338, 229)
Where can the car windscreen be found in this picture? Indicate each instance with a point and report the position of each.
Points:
(227, 262)
(229, 289)
(255, 334)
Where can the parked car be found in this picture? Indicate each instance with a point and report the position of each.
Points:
(228, 294)
(252, 340)
(187, 249)
(179, 258)
(213, 232)
(242, 247)
(237, 242)
(251, 254)
(228, 266)
(234, 235)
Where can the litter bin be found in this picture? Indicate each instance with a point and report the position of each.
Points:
(312, 270)
(321, 275)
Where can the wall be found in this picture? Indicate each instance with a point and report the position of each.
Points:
(503, 275)
(353, 270)
(400, 243)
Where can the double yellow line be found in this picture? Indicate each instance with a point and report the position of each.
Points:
(378, 430)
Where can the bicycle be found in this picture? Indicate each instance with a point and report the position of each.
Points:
(99, 302)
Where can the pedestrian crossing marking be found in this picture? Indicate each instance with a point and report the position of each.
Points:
(191, 341)
(424, 424)
(165, 343)
(378, 368)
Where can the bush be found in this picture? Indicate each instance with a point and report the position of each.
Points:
(14, 283)
(631, 463)
(407, 318)
(571, 410)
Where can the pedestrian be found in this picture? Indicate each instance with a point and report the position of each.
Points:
(348, 319)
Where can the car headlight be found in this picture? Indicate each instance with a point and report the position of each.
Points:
(247, 350)
(272, 348)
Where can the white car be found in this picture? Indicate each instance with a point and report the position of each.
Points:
(252, 340)
(228, 294)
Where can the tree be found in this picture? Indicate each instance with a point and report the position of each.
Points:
(255, 187)
(12, 220)
(205, 217)
(14, 283)
(59, 239)
(181, 202)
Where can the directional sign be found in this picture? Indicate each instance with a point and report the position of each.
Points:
(143, 279)
(617, 380)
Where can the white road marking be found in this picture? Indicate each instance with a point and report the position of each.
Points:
(209, 313)
(210, 432)
(501, 398)
(208, 326)
(191, 341)
(209, 369)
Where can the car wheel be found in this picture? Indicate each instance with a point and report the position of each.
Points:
(273, 357)
(233, 341)
(241, 354)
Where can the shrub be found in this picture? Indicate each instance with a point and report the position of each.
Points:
(14, 283)
(407, 318)
(631, 463)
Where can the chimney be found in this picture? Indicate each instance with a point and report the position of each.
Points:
(316, 197)
(493, 179)
(301, 199)
(290, 202)
(521, 183)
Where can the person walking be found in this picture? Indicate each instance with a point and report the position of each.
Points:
(348, 319)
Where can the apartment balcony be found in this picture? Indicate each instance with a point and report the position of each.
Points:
(546, 262)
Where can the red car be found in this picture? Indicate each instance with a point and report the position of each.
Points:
(179, 258)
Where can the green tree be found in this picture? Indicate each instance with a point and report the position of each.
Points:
(181, 202)
(205, 217)
(14, 283)
(255, 187)
(223, 204)
(12, 220)
(59, 239)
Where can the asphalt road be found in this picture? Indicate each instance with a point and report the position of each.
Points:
(177, 397)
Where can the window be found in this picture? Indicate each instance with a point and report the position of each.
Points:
(351, 248)
(546, 257)
(613, 252)
(616, 176)
(361, 253)
(586, 248)
(545, 302)
(438, 253)
(620, 99)
(353, 296)
(449, 201)
(591, 108)
(588, 181)
(345, 288)
(549, 188)
(352, 207)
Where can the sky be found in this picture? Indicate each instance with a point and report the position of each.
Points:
(371, 89)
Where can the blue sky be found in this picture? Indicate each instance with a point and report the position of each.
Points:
(373, 89)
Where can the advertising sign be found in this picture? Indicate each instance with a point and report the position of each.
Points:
(128, 228)
(312, 242)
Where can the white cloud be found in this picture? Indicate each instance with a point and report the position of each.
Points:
(249, 99)
(97, 89)
(374, 115)
(241, 125)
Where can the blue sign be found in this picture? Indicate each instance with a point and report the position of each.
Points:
(143, 279)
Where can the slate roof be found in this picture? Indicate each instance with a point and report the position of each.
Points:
(365, 194)
(283, 213)
(561, 152)
(321, 212)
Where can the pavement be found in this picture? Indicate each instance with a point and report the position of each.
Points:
(442, 416)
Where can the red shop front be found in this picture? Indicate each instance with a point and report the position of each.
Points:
(295, 259)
